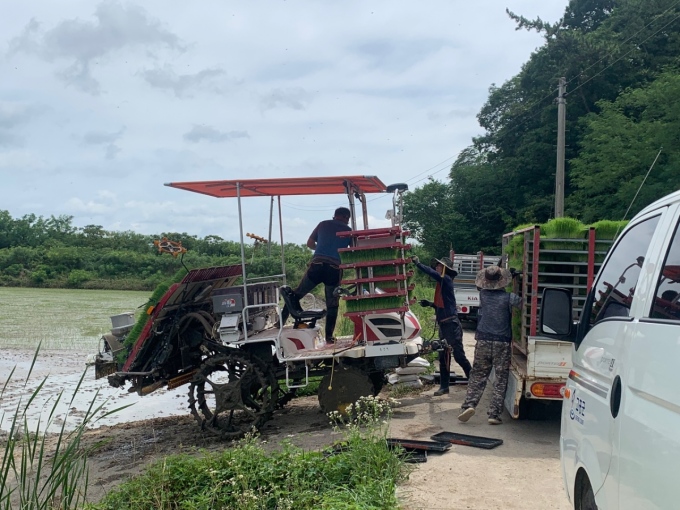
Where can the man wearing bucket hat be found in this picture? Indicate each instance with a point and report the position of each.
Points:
(493, 336)
(446, 313)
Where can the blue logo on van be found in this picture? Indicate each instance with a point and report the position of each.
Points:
(578, 409)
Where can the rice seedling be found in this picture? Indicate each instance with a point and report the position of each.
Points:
(156, 296)
(563, 228)
(375, 302)
(605, 232)
(365, 255)
(608, 229)
(515, 247)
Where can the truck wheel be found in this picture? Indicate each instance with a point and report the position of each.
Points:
(586, 496)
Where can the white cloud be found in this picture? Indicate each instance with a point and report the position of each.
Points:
(106, 139)
(292, 98)
(89, 207)
(184, 85)
(210, 134)
(16, 162)
(117, 27)
(101, 137)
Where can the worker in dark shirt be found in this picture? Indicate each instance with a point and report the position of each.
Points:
(493, 349)
(325, 265)
(446, 313)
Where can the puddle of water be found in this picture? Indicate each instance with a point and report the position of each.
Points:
(57, 399)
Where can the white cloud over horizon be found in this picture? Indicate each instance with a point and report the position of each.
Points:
(102, 103)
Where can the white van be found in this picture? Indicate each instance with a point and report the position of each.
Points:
(620, 439)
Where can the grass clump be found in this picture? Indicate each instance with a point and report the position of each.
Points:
(361, 473)
(39, 470)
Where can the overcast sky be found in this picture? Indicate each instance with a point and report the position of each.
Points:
(101, 103)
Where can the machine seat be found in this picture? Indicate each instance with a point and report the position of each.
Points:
(300, 316)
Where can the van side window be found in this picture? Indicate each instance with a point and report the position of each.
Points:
(615, 287)
(666, 304)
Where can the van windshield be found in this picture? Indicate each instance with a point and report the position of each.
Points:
(615, 287)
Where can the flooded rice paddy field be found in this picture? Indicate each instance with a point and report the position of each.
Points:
(67, 324)
(62, 319)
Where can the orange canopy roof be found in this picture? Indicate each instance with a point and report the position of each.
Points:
(283, 186)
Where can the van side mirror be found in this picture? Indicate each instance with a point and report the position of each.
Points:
(555, 320)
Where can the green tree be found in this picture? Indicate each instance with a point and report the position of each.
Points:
(620, 145)
(430, 216)
(602, 47)
(6, 226)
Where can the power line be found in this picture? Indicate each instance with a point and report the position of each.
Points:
(432, 167)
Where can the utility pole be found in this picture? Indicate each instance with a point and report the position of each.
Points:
(559, 174)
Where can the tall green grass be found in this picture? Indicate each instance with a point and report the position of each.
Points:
(34, 474)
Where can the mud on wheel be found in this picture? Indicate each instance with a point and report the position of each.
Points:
(231, 394)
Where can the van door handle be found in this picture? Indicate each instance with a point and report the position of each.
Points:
(615, 397)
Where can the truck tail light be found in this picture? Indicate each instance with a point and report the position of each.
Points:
(547, 390)
(464, 309)
(565, 392)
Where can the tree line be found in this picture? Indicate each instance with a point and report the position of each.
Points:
(52, 252)
(620, 60)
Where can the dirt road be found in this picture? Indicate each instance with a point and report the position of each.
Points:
(523, 473)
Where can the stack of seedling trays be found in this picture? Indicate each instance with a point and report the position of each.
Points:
(376, 264)
(562, 253)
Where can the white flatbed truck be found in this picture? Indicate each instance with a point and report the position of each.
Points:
(540, 366)
(465, 290)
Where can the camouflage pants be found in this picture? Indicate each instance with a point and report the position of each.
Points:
(488, 355)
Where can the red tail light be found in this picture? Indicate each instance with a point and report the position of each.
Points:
(547, 390)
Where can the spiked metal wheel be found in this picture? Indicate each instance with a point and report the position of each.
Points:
(231, 395)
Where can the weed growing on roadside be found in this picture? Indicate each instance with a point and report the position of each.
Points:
(362, 474)
(368, 411)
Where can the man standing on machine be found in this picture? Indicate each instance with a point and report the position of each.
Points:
(450, 328)
(325, 265)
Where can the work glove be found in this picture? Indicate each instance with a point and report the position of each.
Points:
(425, 303)
(415, 259)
